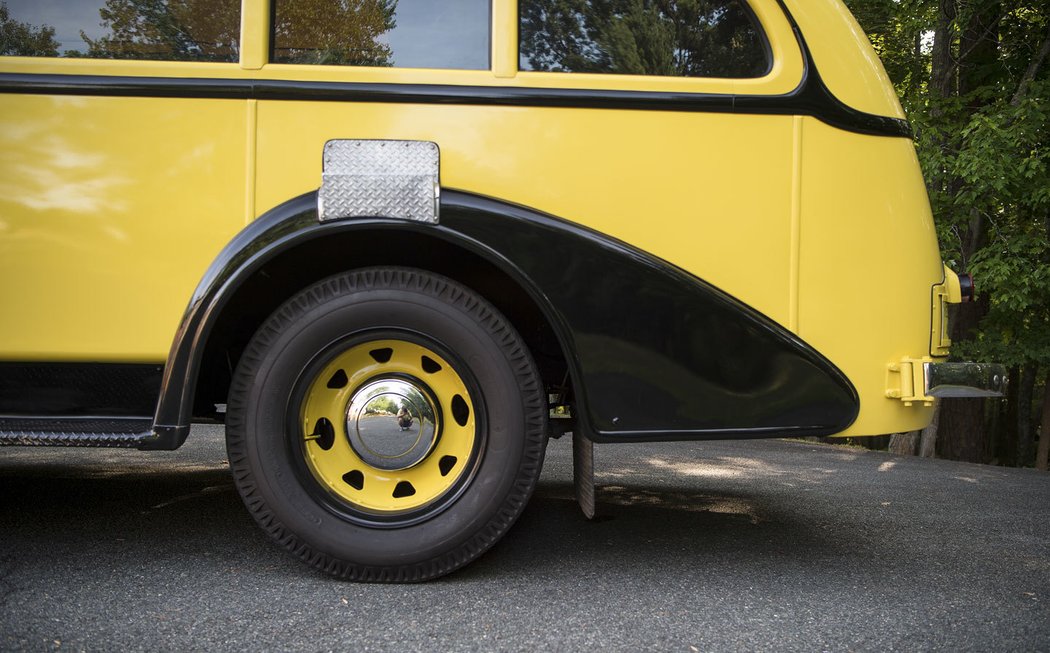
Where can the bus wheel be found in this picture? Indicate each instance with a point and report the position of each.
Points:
(386, 424)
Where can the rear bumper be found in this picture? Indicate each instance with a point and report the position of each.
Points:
(921, 380)
(964, 380)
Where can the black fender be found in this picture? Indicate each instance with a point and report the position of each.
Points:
(656, 353)
(279, 230)
(653, 352)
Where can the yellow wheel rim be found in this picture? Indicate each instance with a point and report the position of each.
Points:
(352, 440)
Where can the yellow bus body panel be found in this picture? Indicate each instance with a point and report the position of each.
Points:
(651, 183)
(846, 61)
(111, 209)
(869, 260)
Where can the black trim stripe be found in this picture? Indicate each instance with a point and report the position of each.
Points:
(812, 99)
(124, 86)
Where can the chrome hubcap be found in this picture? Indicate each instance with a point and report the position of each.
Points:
(392, 423)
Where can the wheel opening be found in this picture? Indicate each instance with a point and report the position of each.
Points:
(286, 274)
(429, 365)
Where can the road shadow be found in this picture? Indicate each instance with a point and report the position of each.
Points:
(646, 530)
(168, 518)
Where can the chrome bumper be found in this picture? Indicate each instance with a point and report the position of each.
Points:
(964, 379)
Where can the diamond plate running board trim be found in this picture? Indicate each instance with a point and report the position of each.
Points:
(72, 432)
(380, 179)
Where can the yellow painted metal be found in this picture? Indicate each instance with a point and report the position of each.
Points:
(255, 37)
(652, 182)
(505, 38)
(796, 223)
(377, 492)
(944, 293)
(869, 258)
(111, 210)
(646, 179)
(906, 381)
(952, 286)
(123, 68)
(250, 158)
(844, 56)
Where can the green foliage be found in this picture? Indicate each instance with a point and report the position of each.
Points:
(25, 40)
(985, 152)
(901, 34)
(382, 406)
(974, 77)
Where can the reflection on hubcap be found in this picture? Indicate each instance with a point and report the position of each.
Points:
(358, 450)
(391, 424)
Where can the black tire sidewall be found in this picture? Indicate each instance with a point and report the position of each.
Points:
(484, 349)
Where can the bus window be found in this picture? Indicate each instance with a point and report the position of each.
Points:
(177, 30)
(406, 33)
(710, 38)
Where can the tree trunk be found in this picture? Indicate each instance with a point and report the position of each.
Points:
(1005, 419)
(1025, 435)
(917, 69)
(1032, 71)
(1042, 459)
(979, 49)
(941, 67)
(928, 439)
(962, 433)
(904, 444)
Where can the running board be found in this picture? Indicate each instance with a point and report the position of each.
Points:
(77, 432)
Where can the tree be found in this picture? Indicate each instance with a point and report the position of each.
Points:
(382, 405)
(24, 40)
(974, 78)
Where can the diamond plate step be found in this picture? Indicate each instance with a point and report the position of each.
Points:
(76, 432)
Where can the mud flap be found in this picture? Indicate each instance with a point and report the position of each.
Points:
(583, 473)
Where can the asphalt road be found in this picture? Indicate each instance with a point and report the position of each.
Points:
(742, 546)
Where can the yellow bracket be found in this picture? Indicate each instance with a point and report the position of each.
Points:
(906, 381)
(947, 292)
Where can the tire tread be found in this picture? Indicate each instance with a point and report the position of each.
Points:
(524, 370)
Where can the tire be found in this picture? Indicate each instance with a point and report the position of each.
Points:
(316, 450)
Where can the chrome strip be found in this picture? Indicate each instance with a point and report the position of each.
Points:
(965, 379)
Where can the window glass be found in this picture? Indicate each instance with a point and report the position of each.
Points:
(167, 30)
(402, 33)
(677, 38)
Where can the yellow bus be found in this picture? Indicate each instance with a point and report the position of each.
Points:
(396, 245)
